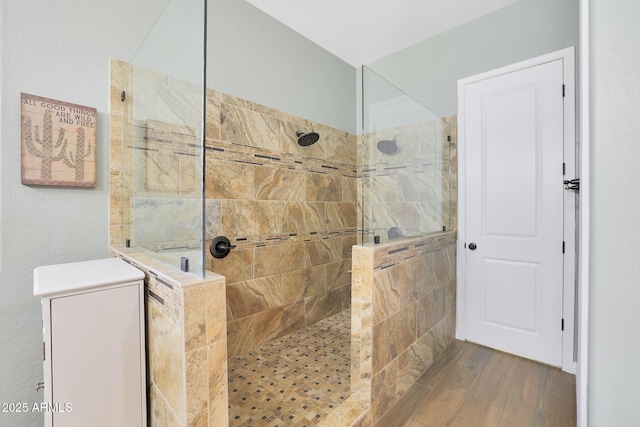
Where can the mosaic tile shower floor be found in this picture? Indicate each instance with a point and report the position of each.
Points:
(295, 380)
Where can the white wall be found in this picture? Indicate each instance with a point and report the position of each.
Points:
(253, 56)
(175, 44)
(61, 50)
(614, 344)
(429, 70)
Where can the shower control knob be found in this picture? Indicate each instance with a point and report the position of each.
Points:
(472, 246)
(220, 247)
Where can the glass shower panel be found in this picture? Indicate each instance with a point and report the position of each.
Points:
(404, 164)
(163, 133)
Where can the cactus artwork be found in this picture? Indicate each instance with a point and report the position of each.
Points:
(49, 155)
(45, 148)
(82, 151)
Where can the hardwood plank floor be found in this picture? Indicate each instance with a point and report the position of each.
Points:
(476, 386)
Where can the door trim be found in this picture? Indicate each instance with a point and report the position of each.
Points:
(582, 345)
(569, 289)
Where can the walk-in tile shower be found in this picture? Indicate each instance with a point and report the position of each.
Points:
(279, 272)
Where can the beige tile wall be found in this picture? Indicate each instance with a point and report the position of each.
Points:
(290, 211)
(155, 169)
(450, 174)
(120, 176)
(403, 317)
(187, 342)
(411, 189)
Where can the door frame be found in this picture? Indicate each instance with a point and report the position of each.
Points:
(569, 289)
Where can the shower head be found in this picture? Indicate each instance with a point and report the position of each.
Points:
(394, 233)
(388, 146)
(306, 139)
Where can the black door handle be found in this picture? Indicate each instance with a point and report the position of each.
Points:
(472, 246)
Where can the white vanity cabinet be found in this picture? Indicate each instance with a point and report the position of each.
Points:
(94, 343)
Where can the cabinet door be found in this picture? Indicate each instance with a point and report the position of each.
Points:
(96, 358)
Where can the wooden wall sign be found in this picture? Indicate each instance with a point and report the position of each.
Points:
(58, 143)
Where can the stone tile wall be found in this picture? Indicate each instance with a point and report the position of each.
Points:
(403, 317)
(411, 189)
(155, 172)
(289, 210)
(450, 174)
(187, 343)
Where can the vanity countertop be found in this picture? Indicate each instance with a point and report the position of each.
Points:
(74, 276)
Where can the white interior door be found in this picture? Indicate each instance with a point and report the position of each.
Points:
(513, 248)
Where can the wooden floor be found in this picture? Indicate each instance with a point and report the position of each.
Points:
(476, 386)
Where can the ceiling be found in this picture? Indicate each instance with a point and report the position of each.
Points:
(362, 31)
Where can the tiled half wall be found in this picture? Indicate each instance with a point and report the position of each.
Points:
(403, 318)
(187, 343)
